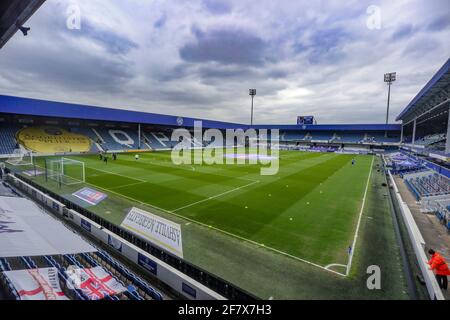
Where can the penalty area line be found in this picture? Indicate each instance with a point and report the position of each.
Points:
(216, 196)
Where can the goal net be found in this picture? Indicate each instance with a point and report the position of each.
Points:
(65, 171)
(20, 157)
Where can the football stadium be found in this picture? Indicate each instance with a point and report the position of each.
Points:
(102, 203)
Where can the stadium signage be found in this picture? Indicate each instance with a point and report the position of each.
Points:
(159, 231)
(53, 140)
(86, 225)
(147, 263)
(91, 196)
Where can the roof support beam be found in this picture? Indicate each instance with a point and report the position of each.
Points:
(430, 110)
(447, 144)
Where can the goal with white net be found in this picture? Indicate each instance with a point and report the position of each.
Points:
(65, 171)
(20, 157)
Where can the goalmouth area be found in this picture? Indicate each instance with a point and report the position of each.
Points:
(311, 231)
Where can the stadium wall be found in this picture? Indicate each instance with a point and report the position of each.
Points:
(418, 244)
(181, 283)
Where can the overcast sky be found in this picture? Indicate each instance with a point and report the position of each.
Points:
(199, 58)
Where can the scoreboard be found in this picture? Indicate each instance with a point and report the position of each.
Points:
(302, 120)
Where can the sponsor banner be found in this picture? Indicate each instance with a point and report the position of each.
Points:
(86, 225)
(91, 196)
(47, 139)
(162, 232)
(36, 284)
(115, 243)
(55, 206)
(33, 173)
(189, 290)
(148, 264)
(96, 283)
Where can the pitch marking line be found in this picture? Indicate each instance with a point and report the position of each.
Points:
(117, 174)
(128, 185)
(220, 230)
(164, 164)
(350, 259)
(214, 197)
(335, 265)
(254, 242)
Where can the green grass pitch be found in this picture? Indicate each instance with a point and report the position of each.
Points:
(308, 210)
(270, 235)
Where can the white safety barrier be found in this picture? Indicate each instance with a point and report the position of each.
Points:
(178, 281)
(418, 244)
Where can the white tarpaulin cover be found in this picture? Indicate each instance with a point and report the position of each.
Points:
(26, 231)
(96, 283)
(36, 284)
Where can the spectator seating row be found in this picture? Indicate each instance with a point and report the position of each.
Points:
(429, 184)
(431, 139)
(8, 141)
(137, 289)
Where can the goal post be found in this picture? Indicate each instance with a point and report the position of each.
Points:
(20, 157)
(65, 171)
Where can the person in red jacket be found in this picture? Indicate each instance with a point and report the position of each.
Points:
(440, 268)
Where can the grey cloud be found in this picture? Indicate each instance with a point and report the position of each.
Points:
(142, 61)
(73, 75)
(440, 23)
(161, 22)
(421, 47)
(217, 6)
(224, 73)
(111, 41)
(225, 46)
(404, 31)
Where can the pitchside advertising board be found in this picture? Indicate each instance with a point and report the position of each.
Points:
(159, 231)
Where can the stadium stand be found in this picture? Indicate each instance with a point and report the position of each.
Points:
(427, 183)
(432, 139)
(425, 120)
(113, 139)
(90, 133)
(119, 284)
(340, 137)
(8, 141)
